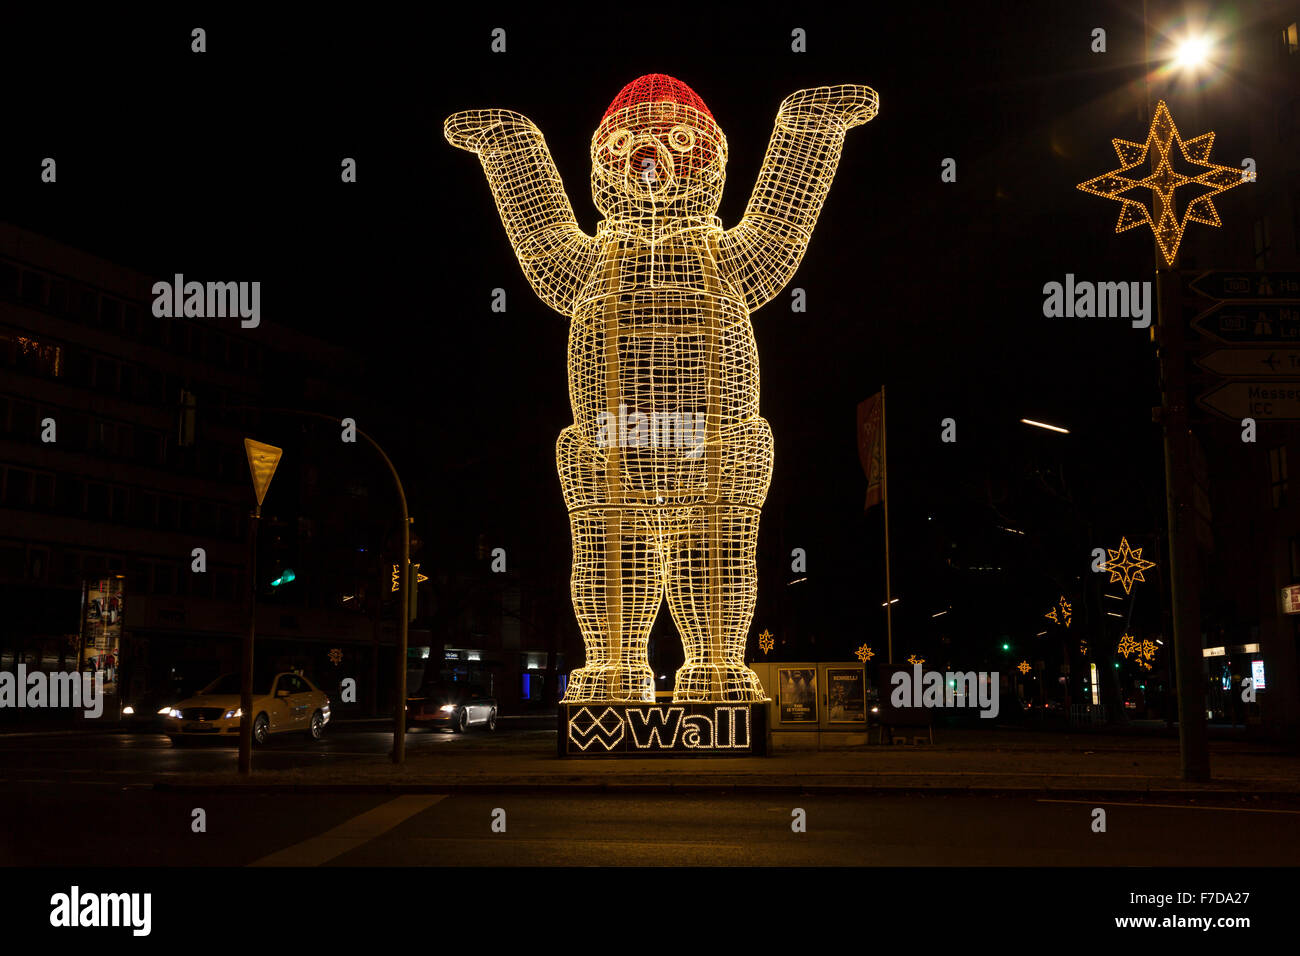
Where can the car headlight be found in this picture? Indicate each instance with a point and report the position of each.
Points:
(128, 710)
(165, 711)
(447, 708)
(230, 714)
(174, 713)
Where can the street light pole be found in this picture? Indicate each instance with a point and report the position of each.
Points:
(1193, 736)
(246, 678)
(399, 717)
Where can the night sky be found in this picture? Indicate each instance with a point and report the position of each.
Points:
(226, 165)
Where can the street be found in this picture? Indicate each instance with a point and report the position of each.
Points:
(90, 800)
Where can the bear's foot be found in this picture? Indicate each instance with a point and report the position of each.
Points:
(611, 682)
(717, 682)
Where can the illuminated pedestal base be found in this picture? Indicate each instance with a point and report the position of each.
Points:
(661, 730)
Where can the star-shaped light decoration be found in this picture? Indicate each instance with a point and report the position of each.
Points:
(1127, 645)
(1083, 647)
(765, 641)
(336, 656)
(865, 653)
(1061, 613)
(1148, 649)
(1126, 565)
(913, 659)
(1164, 182)
(1023, 667)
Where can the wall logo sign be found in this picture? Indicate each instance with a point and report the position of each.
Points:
(643, 730)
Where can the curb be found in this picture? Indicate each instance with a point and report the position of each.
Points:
(1099, 793)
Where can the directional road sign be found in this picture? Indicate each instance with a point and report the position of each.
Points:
(1248, 285)
(1252, 363)
(1251, 323)
(1263, 401)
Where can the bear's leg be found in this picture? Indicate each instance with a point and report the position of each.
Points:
(712, 585)
(617, 588)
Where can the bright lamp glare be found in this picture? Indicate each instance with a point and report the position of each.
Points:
(1192, 52)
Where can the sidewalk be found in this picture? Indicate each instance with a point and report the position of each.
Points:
(964, 762)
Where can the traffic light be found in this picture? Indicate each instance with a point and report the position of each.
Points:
(285, 577)
(1006, 646)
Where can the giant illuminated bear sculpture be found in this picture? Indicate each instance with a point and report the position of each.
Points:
(667, 462)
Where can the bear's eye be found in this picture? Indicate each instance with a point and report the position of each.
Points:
(682, 139)
(620, 142)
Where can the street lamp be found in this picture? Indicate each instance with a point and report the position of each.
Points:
(1193, 52)
(1050, 428)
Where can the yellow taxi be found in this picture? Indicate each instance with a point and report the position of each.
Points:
(285, 702)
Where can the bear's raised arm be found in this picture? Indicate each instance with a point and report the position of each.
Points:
(554, 253)
(762, 252)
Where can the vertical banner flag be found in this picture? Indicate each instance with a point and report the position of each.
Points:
(869, 450)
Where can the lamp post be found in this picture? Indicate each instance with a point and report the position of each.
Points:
(403, 618)
(262, 462)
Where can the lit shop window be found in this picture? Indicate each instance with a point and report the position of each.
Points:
(31, 354)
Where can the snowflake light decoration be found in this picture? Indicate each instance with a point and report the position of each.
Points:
(765, 641)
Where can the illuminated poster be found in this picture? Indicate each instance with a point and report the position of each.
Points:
(102, 628)
(846, 695)
(797, 693)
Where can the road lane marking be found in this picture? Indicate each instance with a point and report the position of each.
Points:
(352, 833)
(1169, 806)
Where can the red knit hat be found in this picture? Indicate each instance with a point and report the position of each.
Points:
(655, 88)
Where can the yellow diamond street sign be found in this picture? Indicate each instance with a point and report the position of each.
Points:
(262, 460)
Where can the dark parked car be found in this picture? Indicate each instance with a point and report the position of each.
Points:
(451, 705)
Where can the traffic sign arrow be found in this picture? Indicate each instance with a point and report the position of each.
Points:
(1265, 401)
(1248, 285)
(1252, 363)
(1250, 323)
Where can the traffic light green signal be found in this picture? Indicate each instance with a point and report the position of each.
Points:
(285, 577)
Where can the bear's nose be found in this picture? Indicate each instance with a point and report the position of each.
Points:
(650, 164)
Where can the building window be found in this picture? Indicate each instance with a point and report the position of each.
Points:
(31, 354)
(164, 579)
(105, 375)
(43, 492)
(1291, 38)
(70, 495)
(1277, 475)
(143, 504)
(87, 303)
(119, 505)
(97, 501)
(18, 488)
(103, 437)
(34, 286)
(110, 314)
